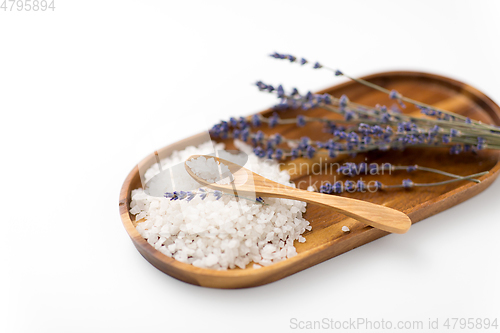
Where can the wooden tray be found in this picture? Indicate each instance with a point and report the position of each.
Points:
(326, 239)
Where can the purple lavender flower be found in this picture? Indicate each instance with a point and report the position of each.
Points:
(309, 96)
(280, 91)
(244, 134)
(273, 120)
(317, 65)
(261, 85)
(337, 187)
(190, 196)
(411, 168)
(349, 115)
(278, 154)
(326, 188)
(310, 151)
(454, 132)
(303, 61)
(327, 99)
(236, 133)
(394, 94)
(259, 152)
(360, 186)
(456, 149)
(217, 195)
(349, 186)
(256, 120)
(343, 101)
(278, 138)
(295, 153)
(301, 121)
(304, 142)
(259, 136)
(233, 121)
(338, 73)
(408, 183)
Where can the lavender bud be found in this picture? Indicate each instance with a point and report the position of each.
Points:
(261, 85)
(301, 121)
(454, 133)
(273, 120)
(360, 186)
(278, 138)
(343, 101)
(317, 65)
(411, 168)
(394, 94)
(259, 152)
(327, 99)
(337, 187)
(278, 154)
(256, 120)
(327, 188)
(349, 186)
(310, 151)
(408, 183)
(280, 91)
(244, 134)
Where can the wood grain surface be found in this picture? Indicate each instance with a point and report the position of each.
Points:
(326, 239)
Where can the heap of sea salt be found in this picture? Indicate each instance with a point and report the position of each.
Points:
(209, 170)
(219, 234)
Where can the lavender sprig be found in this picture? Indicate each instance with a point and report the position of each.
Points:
(202, 194)
(353, 169)
(393, 94)
(362, 186)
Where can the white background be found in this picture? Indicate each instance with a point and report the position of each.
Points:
(88, 90)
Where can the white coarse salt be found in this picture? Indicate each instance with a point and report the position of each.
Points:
(210, 170)
(345, 229)
(217, 234)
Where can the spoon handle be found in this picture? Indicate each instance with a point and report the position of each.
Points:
(377, 216)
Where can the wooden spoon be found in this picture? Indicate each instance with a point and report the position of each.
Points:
(250, 183)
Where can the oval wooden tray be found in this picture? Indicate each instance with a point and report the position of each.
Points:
(326, 239)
